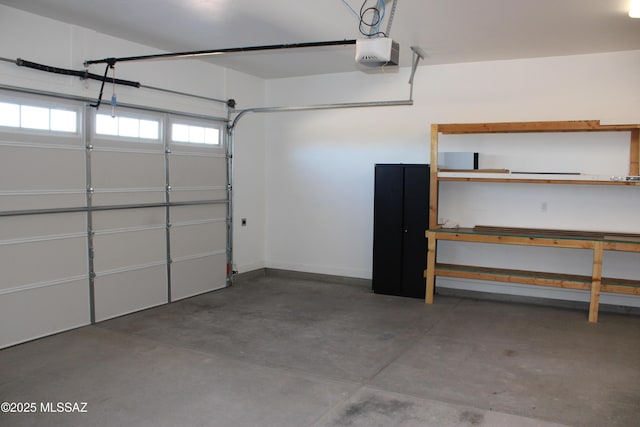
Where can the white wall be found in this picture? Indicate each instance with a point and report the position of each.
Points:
(58, 44)
(249, 176)
(319, 164)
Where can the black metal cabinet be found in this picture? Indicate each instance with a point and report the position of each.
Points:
(401, 216)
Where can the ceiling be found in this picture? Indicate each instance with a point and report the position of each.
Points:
(448, 31)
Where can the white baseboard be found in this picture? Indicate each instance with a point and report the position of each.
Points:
(319, 269)
(245, 268)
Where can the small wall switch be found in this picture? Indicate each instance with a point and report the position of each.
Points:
(243, 222)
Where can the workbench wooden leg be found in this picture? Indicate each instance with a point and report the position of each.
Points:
(634, 165)
(431, 267)
(596, 281)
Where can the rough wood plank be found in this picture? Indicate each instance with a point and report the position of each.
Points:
(433, 181)
(513, 240)
(620, 289)
(619, 128)
(475, 171)
(621, 238)
(509, 127)
(431, 268)
(562, 280)
(634, 158)
(518, 127)
(626, 242)
(514, 279)
(609, 281)
(538, 181)
(621, 247)
(536, 232)
(594, 303)
(558, 280)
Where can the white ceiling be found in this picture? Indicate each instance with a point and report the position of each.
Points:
(449, 31)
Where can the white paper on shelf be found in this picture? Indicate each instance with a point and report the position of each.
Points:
(530, 176)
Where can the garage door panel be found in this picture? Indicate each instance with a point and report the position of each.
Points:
(193, 171)
(122, 218)
(181, 214)
(110, 198)
(195, 276)
(125, 292)
(198, 230)
(122, 249)
(127, 170)
(195, 195)
(198, 238)
(37, 200)
(41, 177)
(25, 262)
(120, 178)
(43, 311)
(17, 227)
(197, 178)
(38, 168)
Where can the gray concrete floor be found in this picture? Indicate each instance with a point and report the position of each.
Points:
(280, 351)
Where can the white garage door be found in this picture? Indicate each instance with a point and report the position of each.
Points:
(102, 216)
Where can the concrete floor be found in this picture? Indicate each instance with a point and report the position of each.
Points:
(280, 351)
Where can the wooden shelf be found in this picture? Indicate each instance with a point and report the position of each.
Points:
(540, 181)
(526, 277)
(468, 235)
(533, 178)
(620, 286)
(533, 236)
(533, 127)
(593, 241)
(557, 280)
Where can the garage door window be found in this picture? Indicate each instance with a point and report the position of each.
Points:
(195, 134)
(128, 127)
(23, 116)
